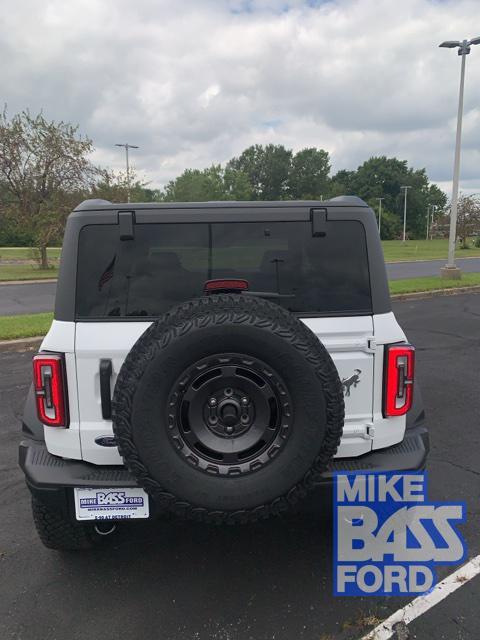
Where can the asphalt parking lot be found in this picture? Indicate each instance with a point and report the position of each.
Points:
(180, 581)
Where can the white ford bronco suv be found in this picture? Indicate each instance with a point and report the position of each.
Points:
(214, 360)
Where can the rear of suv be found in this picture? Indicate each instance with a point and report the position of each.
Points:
(215, 360)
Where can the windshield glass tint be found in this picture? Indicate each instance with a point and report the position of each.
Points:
(170, 263)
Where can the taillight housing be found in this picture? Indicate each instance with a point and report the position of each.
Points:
(398, 379)
(50, 384)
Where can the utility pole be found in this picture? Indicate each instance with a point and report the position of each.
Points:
(428, 218)
(405, 212)
(380, 216)
(127, 147)
(451, 270)
(434, 207)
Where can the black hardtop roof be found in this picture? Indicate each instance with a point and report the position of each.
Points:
(125, 216)
(105, 205)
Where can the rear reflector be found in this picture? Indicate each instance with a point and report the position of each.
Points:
(50, 389)
(398, 379)
(225, 285)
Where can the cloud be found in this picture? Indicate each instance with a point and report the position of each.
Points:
(196, 81)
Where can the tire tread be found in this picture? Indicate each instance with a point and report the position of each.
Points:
(56, 532)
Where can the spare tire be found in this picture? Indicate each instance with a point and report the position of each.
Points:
(227, 408)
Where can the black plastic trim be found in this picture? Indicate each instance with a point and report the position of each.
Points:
(45, 471)
(339, 201)
(408, 455)
(105, 389)
(126, 221)
(319, 223)
(31, 425)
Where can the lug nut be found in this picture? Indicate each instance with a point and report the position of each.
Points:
(229, 430)
(212, 402)
(244, 400)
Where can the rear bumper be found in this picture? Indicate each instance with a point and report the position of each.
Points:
(51, 479)
(409, 455)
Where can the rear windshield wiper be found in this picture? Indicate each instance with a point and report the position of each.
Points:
(268, 294)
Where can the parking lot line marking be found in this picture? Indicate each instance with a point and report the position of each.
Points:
(420, 605)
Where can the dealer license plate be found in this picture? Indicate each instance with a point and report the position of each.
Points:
(110, 504)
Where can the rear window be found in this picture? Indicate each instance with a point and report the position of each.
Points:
(170, 263)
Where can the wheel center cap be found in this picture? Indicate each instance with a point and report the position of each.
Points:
(230, 412)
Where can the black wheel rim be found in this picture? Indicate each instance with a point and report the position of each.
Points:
(229, 414)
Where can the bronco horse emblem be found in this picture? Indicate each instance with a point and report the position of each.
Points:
(353, 380)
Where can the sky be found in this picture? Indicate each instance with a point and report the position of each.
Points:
(194, 82)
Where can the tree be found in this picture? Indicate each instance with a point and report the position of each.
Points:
(308, 175)
(194, 185)
(468, 218)
(43, 166)
(341, 184)
(382, 177)
(113, 186)
(391, 227)
(267, 169)
(213, 183)
(237, 185)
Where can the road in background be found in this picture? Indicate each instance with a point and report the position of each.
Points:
(184, 581)
(420, 269)
(36, 298)
(16, 299)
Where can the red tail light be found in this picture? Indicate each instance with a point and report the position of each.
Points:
(225, 285)
(398, 379)
(50, 389)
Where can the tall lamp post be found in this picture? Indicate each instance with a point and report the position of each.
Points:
(432, 208)
(127, 146)
(405, 212)
(451, 270)
(380, 200)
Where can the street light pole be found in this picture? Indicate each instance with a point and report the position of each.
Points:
(450, 270)
(405, 212)
(127, 147)
(434, 207)
(380, 216)
(428, 218)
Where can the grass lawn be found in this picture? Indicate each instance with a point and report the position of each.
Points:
(25, 272)
(435, 282)
(25, 253)
(24, 326)
(394, 250)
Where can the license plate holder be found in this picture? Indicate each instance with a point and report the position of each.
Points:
(110, 503)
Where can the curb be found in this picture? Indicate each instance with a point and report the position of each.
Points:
(416, 295)
(39, 281)
(409, 261)
(20, 344)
